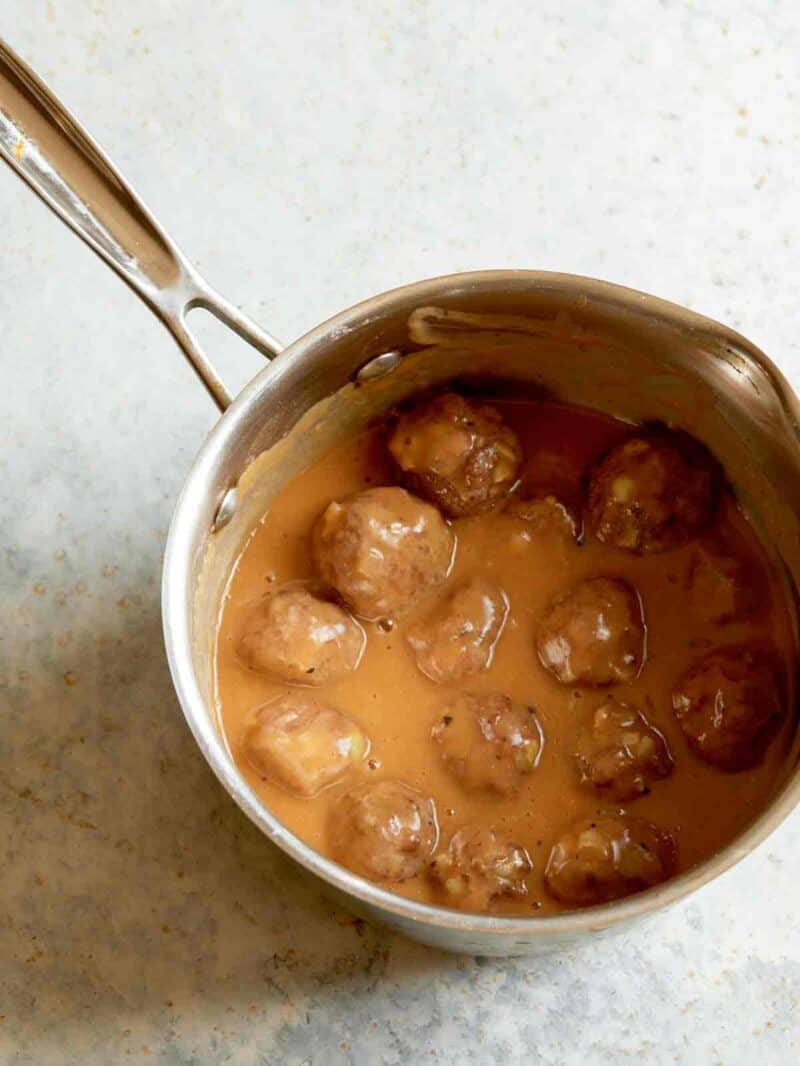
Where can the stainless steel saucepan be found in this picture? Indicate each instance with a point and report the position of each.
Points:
(570, 337)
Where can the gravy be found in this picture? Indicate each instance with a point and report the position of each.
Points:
(397, 705)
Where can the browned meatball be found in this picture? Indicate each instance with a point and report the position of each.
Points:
(607, 857)
(620, 754)
(652, 492)
(727, 704)
(385, 830)
(459, 637)
(478, 866)
(719, 589)
(459, 454)
(593, 634)
(300, 638)
(302, 744)
(382, 550)
(546, 515)
(487, 741)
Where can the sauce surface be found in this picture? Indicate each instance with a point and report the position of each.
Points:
(397, 705)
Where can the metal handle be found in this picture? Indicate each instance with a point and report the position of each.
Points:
(50, 150)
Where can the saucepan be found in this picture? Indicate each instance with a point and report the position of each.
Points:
(557, 335)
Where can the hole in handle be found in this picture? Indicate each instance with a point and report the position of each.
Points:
(233, 359)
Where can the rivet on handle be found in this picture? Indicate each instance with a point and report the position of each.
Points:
(226, 510)
(379, 366)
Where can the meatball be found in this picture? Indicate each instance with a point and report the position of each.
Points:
(300, 638)
(459, 637)
(478, 866)
(383, 830)
(381, 549)
(488, 742)
(546, 515)
(719, 590)
(459, 454)
(593, 634)
(727, 704)
(302, 744)
(620, 754)
(607, 857)
(652, 492)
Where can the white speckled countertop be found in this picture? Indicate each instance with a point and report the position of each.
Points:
(307, 155)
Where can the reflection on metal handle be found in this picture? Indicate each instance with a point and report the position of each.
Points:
(50, 150)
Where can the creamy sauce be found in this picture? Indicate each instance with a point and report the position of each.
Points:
(397, 705)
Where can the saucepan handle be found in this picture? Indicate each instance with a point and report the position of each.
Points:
(53, 153)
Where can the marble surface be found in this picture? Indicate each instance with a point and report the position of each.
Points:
(307, 155)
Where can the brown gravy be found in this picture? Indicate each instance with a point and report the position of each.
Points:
(397, 705)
